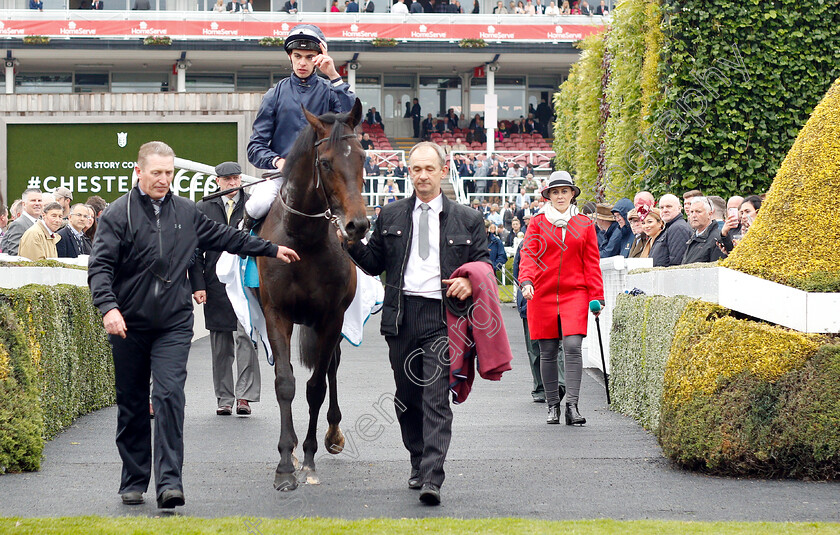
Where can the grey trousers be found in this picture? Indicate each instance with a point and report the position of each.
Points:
(574, 368)
(247, 363)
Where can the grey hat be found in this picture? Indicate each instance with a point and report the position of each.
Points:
(228, 169)
(63, 193)
(559, 179)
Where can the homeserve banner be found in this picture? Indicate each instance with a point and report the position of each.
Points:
(99, 159)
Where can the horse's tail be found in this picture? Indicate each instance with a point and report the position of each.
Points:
(308, 341)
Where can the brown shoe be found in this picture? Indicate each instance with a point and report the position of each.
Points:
(224, 410)
(242, 407)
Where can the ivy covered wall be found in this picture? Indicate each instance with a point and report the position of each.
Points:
(702, 94)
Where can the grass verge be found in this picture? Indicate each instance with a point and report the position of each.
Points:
(177, 525)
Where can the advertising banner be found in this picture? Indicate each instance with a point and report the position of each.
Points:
(208, 29)
(99, 158)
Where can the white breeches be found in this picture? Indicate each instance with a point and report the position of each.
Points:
(262, 196)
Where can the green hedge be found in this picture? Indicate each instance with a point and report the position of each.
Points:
(725, 395)
(642, 332)
(706, 94)
(69, 351)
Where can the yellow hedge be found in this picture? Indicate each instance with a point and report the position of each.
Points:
(710, 346)
(796, 232)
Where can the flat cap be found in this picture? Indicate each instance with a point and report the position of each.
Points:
(228, 169)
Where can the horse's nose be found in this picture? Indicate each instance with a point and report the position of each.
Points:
(356, 228)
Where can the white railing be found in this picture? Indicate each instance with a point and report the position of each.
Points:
(508, 187)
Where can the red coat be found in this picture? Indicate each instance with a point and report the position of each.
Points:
(566, 275)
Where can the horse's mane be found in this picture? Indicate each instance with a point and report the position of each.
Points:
(306, 139)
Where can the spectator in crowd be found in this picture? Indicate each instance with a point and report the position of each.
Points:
(90, 226)
(639, 236)
(73, 240)
(500, 8)
(32, 203)
(544, 115)
(733, 206)
(565, 9)
(515, 229)
(687, 196)
(584, 8)
(643, 199)
(552, 9)
(219, 6)
(526, 221)
(334, 7)
(290, 6)
(476, 8)
(719, 207)
(15, 210)
(366, 142)
(428, 126)
(351, 7)
(482, 168)
(739, 221)
(520, 7)
(530, 9)
(64, 197)
(98, 204)
(539, 8)
(522, 199)
(703, 245)
(749, 209)
(560, 275)
(609, 235)
(374, 117)
(677, 233)
(4, 223)
(39, 240)
(575, 10)
(654, 228)
(36, 4)
(369, 7)
(459, 145)
(416, 7)
(602, 9)
(495, 216)
(533, 346)
(399, 8)
(513, 176)
(400, 171)
(228, 339)
(390, 191)
(507, 216)
(619, 211)
(415, 107)
(498, 257)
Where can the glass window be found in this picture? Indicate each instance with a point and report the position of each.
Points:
(91, 82)
(511, 96)
(438, 94)
(209, 83)
(44, 83)
(399, 80)
(139, 82)
(253, 81)
(543, 82)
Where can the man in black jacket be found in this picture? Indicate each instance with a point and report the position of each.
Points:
(419, 242)
(672, 248)
(137, 274)
(227, 337)
(73, 240)
(703, 244)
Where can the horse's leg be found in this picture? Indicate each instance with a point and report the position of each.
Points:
(320, 343)
(334, 440)
(280, 335)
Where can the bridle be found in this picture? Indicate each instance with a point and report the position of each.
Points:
(321, 186)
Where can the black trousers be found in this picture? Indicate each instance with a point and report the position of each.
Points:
(163, 354)
(420, 360)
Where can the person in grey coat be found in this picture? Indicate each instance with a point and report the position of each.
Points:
(32, 206)
(673, 244)
(703, 244)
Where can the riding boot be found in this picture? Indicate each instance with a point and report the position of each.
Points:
(573, 417)
(553, 414)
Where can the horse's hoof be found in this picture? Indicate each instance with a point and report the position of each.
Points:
(285, 482)
(334, 442)
(310, 477)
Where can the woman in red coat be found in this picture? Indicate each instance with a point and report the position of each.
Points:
(560, 274)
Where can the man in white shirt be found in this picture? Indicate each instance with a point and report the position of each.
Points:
(400, 8)
(32, 205)
(419, 242)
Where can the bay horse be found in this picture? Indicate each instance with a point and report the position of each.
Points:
(322, 190)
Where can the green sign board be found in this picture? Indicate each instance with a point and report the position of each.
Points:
(98, 158)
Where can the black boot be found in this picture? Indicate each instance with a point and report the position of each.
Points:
(553, 414)
(573, 417)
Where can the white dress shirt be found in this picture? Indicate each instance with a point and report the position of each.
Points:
(422, 277)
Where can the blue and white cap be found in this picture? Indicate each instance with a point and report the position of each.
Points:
(305, 37)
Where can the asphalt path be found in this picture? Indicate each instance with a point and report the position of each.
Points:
(504, 460)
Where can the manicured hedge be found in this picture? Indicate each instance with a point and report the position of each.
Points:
(737, 397)
(68, 351)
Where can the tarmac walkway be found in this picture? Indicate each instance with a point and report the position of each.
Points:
(504, 460)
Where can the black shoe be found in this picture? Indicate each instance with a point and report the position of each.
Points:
(539, 400)
(414, 481)
(132, 498)
(562, 391)
(430, 495)
(553, 414)
(573, 417)
(170, 499)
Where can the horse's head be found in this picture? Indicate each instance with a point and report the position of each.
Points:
(340, 164)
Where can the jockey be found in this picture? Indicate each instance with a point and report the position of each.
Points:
(280, 119)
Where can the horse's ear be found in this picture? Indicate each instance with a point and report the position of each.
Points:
(315, 122)
(356, 113)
